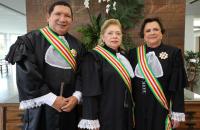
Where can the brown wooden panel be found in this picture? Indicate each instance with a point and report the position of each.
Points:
(13, 116)
(1, 117)
(14, 126)
(10, 116)
(192, 111)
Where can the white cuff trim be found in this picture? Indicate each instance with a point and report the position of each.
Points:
(89, 124)
(78, 95)
(178, 116)
(36, 102)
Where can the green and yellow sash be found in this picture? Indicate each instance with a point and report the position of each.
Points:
(117, 65)
(153, 83)
(59, 45)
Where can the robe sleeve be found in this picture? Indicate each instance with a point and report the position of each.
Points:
(177, 82)
(80, 59)
(78, 83)
(91, 75)
(30, 81)
(90, 108)
(91, 89)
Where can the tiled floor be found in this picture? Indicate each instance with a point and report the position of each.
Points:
(8, 89)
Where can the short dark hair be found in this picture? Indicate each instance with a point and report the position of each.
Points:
(51, 8)
(149, 20)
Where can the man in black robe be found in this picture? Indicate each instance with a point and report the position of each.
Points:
(45, 81)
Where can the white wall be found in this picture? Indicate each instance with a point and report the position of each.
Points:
(189, 34)
(11, 21)
(192, 13)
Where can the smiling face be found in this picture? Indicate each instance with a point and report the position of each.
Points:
(152, 34)
(112, 36)
(60, 19)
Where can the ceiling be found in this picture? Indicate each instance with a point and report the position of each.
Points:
(12, 16)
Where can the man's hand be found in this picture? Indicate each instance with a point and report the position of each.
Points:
(71, 102)
(58, 103)
(175, 124)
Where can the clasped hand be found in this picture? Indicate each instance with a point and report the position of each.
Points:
(65, 104)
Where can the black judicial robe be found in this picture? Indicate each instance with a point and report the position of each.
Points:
(36, 78)
(149, 114)
(105, 95)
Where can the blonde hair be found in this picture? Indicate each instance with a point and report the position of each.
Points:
(105, 25)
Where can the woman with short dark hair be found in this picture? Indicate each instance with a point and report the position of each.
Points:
(159, 80)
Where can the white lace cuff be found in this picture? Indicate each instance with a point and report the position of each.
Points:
(78, 95)
(178, 116)
(36, 102)
(89, 124)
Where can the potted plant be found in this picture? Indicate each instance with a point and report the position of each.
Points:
(128, 12)
(192, 64)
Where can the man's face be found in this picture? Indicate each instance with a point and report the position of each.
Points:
(60, 19)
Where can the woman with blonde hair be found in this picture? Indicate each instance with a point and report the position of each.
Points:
(106, 79)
